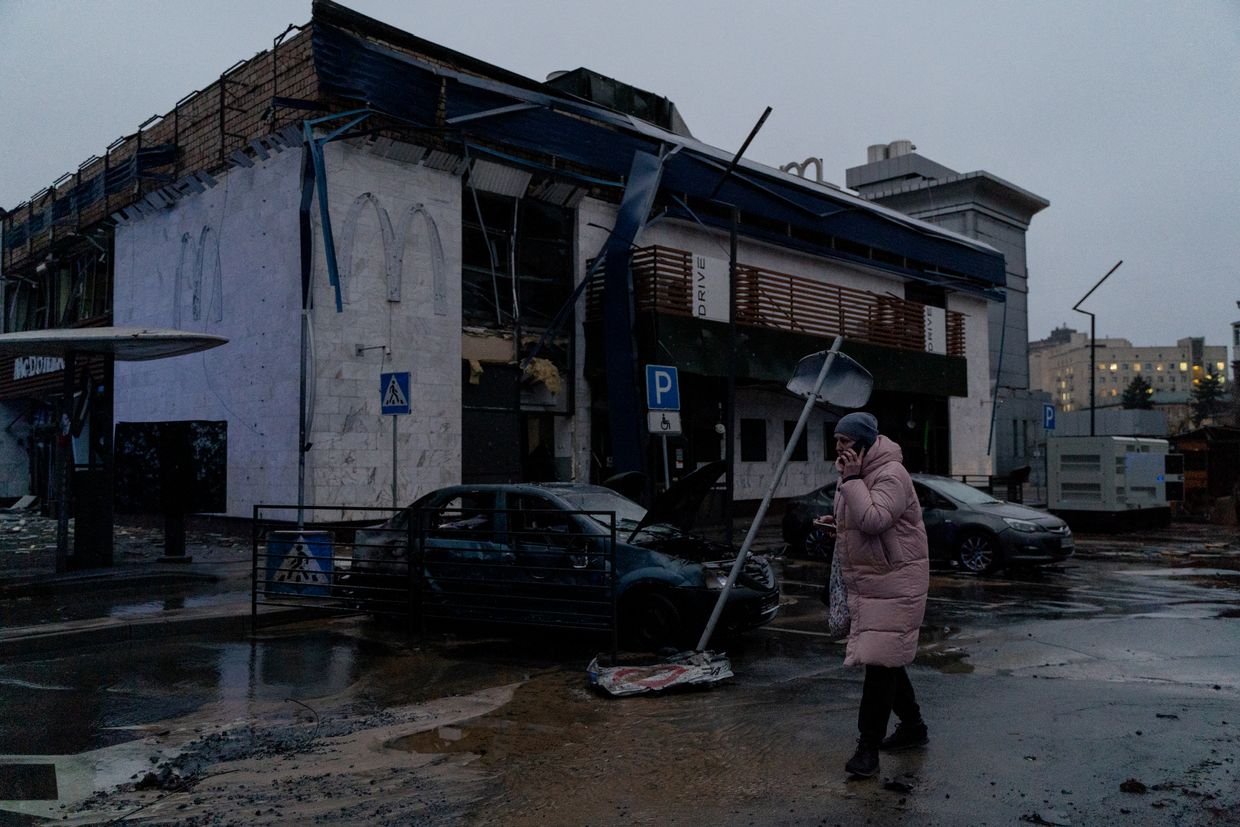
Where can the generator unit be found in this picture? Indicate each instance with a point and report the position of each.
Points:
(1108, 481)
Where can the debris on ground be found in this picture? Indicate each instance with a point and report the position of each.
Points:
(659, 674)
(1132, 785)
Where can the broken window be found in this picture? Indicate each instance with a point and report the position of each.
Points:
(502, 235)
(64, 290)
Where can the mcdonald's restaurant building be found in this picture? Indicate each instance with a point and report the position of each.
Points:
(522, 249)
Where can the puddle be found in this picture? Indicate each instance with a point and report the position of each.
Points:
(1184, 571)
(442, 740)
(107, 695)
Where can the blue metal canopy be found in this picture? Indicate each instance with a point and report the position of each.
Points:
(503, 111)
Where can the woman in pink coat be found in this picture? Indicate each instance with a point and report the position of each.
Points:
(881, 543)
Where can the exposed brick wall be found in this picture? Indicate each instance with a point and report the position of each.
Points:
(204, 140)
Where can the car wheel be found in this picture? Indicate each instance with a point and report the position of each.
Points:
(650, 621)
(819, 543)
(979, 553)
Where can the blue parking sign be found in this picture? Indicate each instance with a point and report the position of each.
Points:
(1048, 417)
(662, 388)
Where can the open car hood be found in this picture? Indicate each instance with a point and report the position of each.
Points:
(678, 505)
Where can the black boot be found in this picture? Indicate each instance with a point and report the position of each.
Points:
(865, 760)
(906, 736)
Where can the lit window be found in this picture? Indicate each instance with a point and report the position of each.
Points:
(1114, 392)
(1221, 366)
(1183, 366)
(1158, 367)
(1136, 366)
(1114, 366)
(1102, 366)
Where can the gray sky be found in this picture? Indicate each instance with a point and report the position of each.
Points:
(1114, 111)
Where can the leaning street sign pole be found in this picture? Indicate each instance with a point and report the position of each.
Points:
(819, 377)
(853, 391)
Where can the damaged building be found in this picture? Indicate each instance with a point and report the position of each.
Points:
(358, 200)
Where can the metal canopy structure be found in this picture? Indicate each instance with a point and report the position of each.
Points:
(129, 344)
(523, 116)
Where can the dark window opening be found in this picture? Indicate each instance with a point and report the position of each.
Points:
(928, 294)
(800, 453)
(500, 233)
(753, 440)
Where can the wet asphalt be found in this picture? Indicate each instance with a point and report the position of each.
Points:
(1102, 691)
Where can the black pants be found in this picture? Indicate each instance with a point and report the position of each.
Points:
(887, 689)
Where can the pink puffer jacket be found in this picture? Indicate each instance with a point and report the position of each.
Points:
(883, 557)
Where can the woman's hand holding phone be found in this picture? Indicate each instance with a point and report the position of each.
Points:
(826, 522)
(848, 463)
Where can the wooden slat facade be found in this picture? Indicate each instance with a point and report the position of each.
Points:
(663, 281)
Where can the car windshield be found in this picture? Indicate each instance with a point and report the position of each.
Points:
(960, 492)
(628, 513)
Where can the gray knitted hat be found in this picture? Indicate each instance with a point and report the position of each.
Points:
(860, 427)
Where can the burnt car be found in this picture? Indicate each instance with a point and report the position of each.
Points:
(964, 526)
(541, 553)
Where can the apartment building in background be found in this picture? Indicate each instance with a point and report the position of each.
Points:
(1060, 365)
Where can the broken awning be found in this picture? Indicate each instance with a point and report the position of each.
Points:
(533, 118)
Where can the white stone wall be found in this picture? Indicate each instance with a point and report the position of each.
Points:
(351, 461)
(249, 224)
(753, 478)
(14, 460)
(970, 416)
(252, 220)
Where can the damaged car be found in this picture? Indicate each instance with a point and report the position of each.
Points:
(568, 555)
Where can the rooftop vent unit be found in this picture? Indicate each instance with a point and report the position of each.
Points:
(621, 97)
(881, 152)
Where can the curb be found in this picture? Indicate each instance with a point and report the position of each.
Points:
(102, 581)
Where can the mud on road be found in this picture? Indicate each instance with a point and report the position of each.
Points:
(1104, 692)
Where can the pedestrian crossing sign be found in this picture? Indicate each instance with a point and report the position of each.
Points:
(394, 393)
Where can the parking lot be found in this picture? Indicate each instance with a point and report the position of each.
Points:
(1102, 691)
